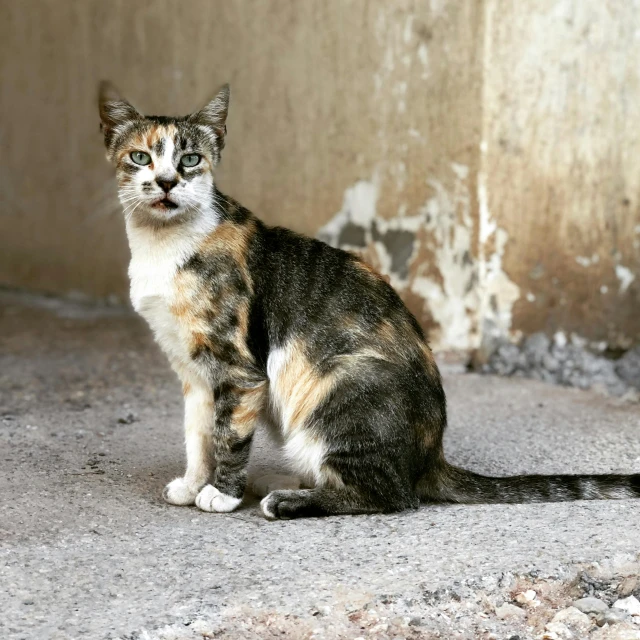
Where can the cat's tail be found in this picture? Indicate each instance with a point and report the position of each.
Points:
(448, 483)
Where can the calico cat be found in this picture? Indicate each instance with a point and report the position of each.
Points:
(260, 322)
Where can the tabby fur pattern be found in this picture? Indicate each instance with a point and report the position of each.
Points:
(263, 324)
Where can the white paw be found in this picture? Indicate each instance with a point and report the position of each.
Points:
(210, 499)
(180, 492)
(267, 508)
(264, 485)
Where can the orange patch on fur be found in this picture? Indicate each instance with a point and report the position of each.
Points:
(368, 269)
(200, 341)
(194, 305)
(232, 240)
(136, 142)
(300, 388)
(240, 340)
(388, 333)
(428, 357)
(159, 132)
(245, 415)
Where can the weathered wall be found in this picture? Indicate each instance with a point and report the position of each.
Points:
(561, 161)
(480, 152)
(324, 94)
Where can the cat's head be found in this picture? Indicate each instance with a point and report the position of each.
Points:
(164, 165)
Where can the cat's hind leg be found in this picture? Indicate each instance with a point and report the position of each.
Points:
(321, 501)
(355, 441)
(348, 482)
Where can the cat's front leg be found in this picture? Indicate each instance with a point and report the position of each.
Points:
(199, 418)
(237, 412)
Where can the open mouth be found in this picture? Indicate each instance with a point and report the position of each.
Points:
(165, 203)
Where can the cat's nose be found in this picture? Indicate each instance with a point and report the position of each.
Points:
(166, 184)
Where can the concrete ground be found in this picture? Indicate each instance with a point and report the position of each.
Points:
(90, 432)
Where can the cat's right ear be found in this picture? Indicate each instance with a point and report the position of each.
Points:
(115, 112)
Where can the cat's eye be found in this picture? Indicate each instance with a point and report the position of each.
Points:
(190, 160)
(140, 157)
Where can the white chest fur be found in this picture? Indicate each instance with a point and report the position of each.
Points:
(155, 259)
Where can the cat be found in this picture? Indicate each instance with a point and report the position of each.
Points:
(260, 322)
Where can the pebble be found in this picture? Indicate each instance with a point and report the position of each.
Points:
(565, 363)
(591, 605)
(628, 586)
(573, 617)
(631, 605)
(613, 616)
(527, 598)
(130, 418)
(622, 632)
(509, 611)
(628, 367)
(558, 630)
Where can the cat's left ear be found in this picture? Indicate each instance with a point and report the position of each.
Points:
(214, 114)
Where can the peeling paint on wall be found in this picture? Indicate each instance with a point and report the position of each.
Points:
(586, 261)
(435, 256)
(447, 282)
(625, 276)
(498, 292)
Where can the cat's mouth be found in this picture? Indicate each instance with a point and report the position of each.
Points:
(165, 203)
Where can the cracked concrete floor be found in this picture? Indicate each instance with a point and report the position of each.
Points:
(90, 431)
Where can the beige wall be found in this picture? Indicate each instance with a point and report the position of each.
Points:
(561, 161)
(479, 152)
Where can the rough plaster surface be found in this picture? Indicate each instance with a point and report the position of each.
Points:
(90, 430)
(559, 136)
(447, 267)
(312, 111)
(501, 141)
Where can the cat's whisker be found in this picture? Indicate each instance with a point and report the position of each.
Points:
(128, 216)
(124, 201)
(128, 212)
(132, 198)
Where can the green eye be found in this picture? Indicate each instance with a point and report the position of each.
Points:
(190, 160)
(140, 157)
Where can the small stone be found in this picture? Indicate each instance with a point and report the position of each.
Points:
(572, 617)
(130, 418)
(621, 632)
(527, 598)
(559, 630)
(508, 610)
(550, 363)
(613, 616)
(560, 339)
(631, 605)
(591, 605)
(536, 346)
(628, 367)
(628, 586)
